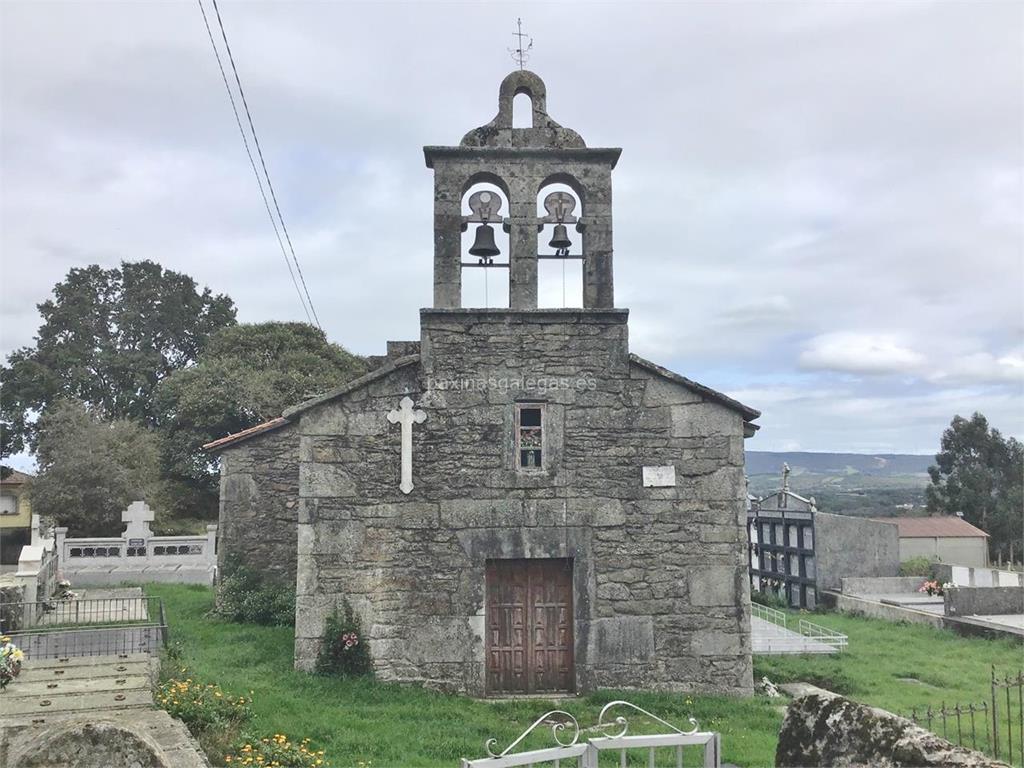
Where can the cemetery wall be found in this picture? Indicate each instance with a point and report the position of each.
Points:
(964, 576)
(259, 489)
(984, 601)
(661, 597)
(861, 606)
(847, 546)
(881, 585)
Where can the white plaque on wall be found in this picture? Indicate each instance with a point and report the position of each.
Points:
(660, 477)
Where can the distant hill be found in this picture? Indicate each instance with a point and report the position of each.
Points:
(877, 464)
(879, 484)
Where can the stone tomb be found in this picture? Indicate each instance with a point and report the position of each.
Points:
(515, 503)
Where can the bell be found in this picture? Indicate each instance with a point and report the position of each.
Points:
(560, 239)
(483, 244)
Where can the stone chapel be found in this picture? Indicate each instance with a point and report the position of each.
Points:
(514, 503)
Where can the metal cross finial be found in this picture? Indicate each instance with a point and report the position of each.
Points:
(521, 54)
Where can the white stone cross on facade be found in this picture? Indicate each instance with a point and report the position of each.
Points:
(406, 415)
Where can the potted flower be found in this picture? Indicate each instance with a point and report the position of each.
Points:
(11, 657)
(932, 588)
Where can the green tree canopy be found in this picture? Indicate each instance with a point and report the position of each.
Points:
(981, 473)
(108, 337)
(90, 469)
(247, 374)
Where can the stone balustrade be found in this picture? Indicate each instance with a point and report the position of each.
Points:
(137, 555)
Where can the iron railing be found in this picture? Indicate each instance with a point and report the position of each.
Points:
(59, 612)
(46, 578)
(808, 629)
(771, 615)
(60, 628)
(823, 635)
(995, 727)
(1004, 712)
(583, 747)
(91, 641)
(972, 723)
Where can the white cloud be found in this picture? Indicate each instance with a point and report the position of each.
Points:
(860, 353)
(847, 173)
(983, 367)
(767, 396)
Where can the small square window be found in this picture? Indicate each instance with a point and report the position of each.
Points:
(530, 437)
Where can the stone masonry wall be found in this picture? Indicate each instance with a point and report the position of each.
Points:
(984, 601)
(847, 546)
(259, 492)
(661, 595)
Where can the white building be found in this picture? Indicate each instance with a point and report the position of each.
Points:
(946, 539)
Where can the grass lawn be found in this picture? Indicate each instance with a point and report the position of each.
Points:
(899, 667)
(386, 726)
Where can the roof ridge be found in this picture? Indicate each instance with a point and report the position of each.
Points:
(290, 413)
(367, 378)
(749, 414)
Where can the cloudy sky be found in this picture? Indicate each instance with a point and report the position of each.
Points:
(818, 206)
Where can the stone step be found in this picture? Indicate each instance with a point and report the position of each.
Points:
(13, 705)
(94, 684)
(88, 661)
(82, 672)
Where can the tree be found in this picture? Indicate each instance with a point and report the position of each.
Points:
(91, 469)
(247, 374)
(980, 473)
(108, 337)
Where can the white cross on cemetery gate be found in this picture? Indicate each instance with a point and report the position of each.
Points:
(138, 516)
(406, 415)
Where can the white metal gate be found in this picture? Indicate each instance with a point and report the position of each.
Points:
(611, 735)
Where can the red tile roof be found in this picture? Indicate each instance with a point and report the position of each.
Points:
(16, 478)
(933, 527)
(246, 433)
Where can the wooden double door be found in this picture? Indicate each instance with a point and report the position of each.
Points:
(529, 617)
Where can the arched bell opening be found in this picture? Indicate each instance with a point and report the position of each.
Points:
(522, 110)
(559, 245)
(485, 244)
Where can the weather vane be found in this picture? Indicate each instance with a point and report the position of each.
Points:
(522, 53)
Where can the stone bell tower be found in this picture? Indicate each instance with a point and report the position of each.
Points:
(517, 504)
(521, 162)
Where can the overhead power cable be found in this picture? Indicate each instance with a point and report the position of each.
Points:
(305, 300)
(266, 173)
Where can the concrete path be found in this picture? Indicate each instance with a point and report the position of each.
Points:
(771, 639)
(917, 602)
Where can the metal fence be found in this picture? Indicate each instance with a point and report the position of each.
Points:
(57, 612)
(771, 615)
(576, 746)
(46, 578)
(93, 627)
(995, 727)
(808, 629)
(823, 635)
